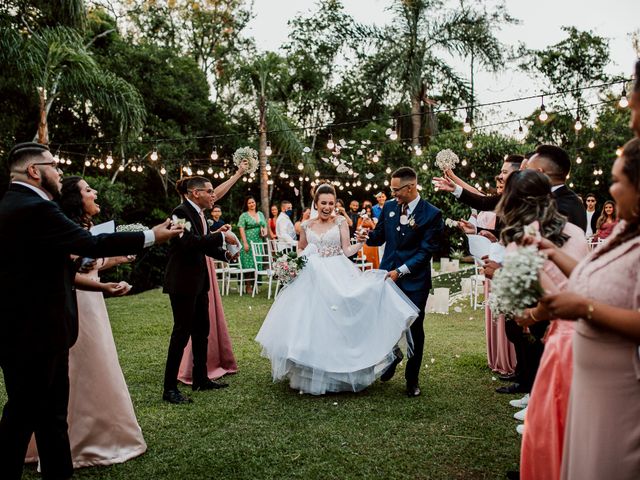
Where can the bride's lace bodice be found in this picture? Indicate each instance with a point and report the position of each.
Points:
(328, 242)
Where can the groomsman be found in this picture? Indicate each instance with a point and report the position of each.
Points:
(186, 281)
(285, 230)
(412, 229)
(39, 321)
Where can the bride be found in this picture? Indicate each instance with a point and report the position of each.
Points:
(334, 327)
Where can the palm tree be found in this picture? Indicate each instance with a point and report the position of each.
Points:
(55, 60)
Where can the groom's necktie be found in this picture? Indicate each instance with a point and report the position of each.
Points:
(204, 223)
(405, 209)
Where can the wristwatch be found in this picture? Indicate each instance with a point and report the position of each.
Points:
(400, 274)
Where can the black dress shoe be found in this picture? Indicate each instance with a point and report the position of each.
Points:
(413, 390)
(512, 377)
(174, 396)
(391, 369)
(513, 388)
(208, 385)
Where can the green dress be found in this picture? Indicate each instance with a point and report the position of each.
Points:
(252, 232)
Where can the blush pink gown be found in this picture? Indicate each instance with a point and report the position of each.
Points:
(542, 442)
(103, 429)
(220, 358)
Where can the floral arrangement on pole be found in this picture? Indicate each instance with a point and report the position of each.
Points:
(248, 154)
(288, 267)
(132, 227)
(516, 286)
(446, 160)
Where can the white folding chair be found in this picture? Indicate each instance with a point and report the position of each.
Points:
(477, 284)
(221, 274)
(235, 270)
(263, 263)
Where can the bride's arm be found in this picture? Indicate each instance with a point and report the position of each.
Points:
(347, 248)
(302, 242)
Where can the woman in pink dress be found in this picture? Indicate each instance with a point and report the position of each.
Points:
(527, 199)
(602, 436)
(607, 220)
(103, 429)
(220, 358)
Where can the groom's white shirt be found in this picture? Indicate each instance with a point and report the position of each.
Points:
(285, 231)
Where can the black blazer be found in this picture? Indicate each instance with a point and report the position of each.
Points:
(570, 206)
(482, 203)
(39, 310)
(594, 221)
(186, 271)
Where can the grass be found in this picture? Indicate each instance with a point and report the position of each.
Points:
(459, 429)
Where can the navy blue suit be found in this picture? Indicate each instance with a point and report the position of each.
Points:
(412, 245)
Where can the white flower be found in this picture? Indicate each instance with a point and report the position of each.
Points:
(392, 214)
(132, 227)
(181, 221)
(451, 223)
(249, 154)
(446, 159)
(209, 222)
(404, 219)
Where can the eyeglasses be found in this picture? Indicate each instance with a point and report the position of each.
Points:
(210, 191)
(396, 190)
(53, 164)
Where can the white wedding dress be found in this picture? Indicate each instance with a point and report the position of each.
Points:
(334, 327)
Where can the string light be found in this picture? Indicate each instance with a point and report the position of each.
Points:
(375, 158)
(300, 166)
(578, 124)
(473, 174)
(543, 116)
(330, 144)
(469, 144)
(101, 166)
(154, 155)
(467, 124)
(121, 168)
(268, 151)
(214, 153)
(520, 133)
(591, 144)
(209, 170)
(578, 160)
(623, 102)
(109, 159)
(393, 135)
(87, 163)
(388, 170)
(163, 171)
(463, 162)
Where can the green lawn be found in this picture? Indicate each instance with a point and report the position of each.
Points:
(459, 428)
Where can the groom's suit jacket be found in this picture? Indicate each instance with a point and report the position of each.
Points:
(412, 245)
(186, 271)
(37, 297)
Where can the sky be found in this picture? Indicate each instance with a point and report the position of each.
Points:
(540, 26)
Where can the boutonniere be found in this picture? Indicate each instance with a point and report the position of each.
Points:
(410, 220)
(392, 214)
(209, 222)
(181, 221)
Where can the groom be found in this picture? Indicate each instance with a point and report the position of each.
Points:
(187, 283)
(412, 229)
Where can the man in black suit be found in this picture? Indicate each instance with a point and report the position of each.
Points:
(186, 281)
(592, 216)
(39, 322)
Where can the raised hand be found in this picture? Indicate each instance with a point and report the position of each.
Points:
(166, 231)
(224, 228)
(443, 183)
(244, 166)
(467, 227)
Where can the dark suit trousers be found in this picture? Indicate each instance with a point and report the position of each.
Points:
(38, 395)
(528, 350)
(190, 319)
(412, 371)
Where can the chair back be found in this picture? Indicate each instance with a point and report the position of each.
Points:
(261, 257)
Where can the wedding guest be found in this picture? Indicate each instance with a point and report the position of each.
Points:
(39, 322)
(592, 219)
(371, 254)
(98, 394)
(354, 214)
(306, 214)
(216, 215)
(607, 221)
(602, 436)
(285, 230)
(527, 199)
(377, 208)
(340, 210)
(272, 221)
(253, 228)
(634, 103)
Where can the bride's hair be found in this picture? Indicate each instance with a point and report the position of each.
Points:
(324, 188)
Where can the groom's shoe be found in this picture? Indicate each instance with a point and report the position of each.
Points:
(208, 385)
(174, 396)
(391, 369)
(413, 390)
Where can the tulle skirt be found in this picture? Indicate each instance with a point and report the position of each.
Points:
(334, 328)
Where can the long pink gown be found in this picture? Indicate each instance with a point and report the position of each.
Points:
(103, 429)
(220, 358)
(542, 442)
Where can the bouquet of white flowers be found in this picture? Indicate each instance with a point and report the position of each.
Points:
(248, 154)
(132, 227)
(446, 159)
(181, 221)
(288, 266)
(516, 285)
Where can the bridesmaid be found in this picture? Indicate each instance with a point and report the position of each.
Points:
(602, 438)
(103, 429)
(253, 227)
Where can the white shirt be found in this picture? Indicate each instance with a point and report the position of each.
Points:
(589, 232)
(199, 210)
(285, 231)
(149, 236)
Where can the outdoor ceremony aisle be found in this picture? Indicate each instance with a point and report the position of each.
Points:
(459, 428)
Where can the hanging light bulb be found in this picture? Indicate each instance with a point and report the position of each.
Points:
(291, 184)
(425, 166)
(154, 155)
(300, 166)
(121, 168)
(578, 124)
(393, 135)
(268, 151)
(595, 172)
(469, 144)
(109, 159)
(375, 158)
(317, 173)
(578, 160)
(467, 124)
(214, 153)
(269, 182)
(108, 166)
(520, 133)
(463, 162)
(597, 182)
(386, 183)
(618, 152)
(200, 171)
(543, 116)
(623, 102)
(101, 166)
(330, 144)
(68, 161)
(163, 171)
(591, 144)
(209, 170)
(221, 174)
(388, 170)
(87, 163)
(473, 175)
